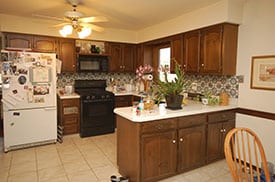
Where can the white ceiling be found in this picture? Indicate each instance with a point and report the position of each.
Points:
(122, 14)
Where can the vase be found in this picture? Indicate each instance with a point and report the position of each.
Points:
(174, 101)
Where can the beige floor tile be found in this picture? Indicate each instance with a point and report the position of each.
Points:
(83, 176)
(24, 177)
(75, 167)
(98, 160)
(59, 179)
(48, 162)
(105, 172)
(4, 173)
(51, 173)
(74, 157)
(23, 168)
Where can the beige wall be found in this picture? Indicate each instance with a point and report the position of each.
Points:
(256, 37)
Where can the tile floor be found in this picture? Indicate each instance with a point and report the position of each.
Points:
(91, 159)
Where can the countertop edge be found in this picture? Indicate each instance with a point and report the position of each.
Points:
(145, 116)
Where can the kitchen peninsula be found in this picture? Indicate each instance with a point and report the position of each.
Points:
(155, 145)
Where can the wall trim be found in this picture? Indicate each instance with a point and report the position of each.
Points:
(256, 113)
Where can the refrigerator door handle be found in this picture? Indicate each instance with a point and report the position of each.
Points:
(8, 104)
(49, 108)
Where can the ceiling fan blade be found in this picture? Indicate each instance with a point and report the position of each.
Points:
(61, 24)
(93, 27)
(50, 17)
(93, 19)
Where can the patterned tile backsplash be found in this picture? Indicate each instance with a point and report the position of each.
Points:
(216, 84)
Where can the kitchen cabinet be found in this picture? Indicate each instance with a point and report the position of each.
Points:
(67, 54)
(45, 44)
(158, 155)
(153, 150)
(122, 57)
(123, 101)
(69, 115)
(211, 50)
(192, 142)
(176, 51)
(219, 124)
(36, 43)
(191, 49)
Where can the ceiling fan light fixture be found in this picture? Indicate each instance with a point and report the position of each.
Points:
(63, 33)
(68, 29)
(86, 31)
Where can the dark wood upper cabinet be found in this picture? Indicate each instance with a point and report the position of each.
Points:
(45, 44)
(176, 52)
(211, 50)
(122, 57)
(191, 49)
(67, 55)
(15, 40)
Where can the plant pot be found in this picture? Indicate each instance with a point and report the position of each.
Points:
(174, 101)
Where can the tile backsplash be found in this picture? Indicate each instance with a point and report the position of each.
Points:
(216, 84)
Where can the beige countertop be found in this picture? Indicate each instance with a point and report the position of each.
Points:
(68, 96)
(191, 108)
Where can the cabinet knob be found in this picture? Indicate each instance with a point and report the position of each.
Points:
(159, 127)
(174, 141)
(181, 139)
(12, 124)
(184, 65)
(202, 65)
(73, 65)
(222, 130)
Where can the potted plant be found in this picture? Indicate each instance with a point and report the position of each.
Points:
(171, 91)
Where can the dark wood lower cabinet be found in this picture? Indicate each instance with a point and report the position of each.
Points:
(191, 148)
(153, 150)
(158, 155)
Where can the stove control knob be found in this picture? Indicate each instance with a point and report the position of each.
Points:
(88, 97)
(107, 96)
(103, 96)
(93, 97)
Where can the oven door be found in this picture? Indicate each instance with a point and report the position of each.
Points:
(97, 117)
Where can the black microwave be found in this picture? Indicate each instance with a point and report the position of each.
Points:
(92, 63)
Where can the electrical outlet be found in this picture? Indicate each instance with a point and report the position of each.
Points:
(194, 86)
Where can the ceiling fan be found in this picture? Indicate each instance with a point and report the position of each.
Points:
(75, 20)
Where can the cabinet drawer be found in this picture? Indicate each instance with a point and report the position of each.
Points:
(70, 102)
(158, 126)
(70, 129)
(221, 116)
(194, 120)
(70, 120)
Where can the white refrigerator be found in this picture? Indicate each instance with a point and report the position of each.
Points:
(28, 98)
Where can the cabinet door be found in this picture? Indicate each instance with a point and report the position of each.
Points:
(115, 63)
(129, 56)
(158, 155)
(214, 144)
(191, 52)
(191, 147)
(19, 41)
(176, 52)
(44, 44)
(123, 101)
(211, 50)
(227, 126)
(67, 55)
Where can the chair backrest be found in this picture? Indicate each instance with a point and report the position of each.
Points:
(245, 156)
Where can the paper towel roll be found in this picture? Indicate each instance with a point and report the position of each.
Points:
(147, 77)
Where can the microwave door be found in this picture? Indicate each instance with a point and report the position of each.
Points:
(89, 66)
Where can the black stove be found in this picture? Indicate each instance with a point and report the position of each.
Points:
(97, 105)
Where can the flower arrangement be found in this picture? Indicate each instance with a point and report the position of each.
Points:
(142, 70)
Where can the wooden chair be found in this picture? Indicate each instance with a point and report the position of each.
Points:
(245, 155)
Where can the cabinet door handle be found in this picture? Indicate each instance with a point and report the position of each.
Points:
(174, 141)
(202, 65)
(181, 139)
(222, 130)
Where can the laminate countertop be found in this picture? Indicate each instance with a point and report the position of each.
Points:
(191, 108)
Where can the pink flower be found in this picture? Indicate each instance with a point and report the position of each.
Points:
(141, 70)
